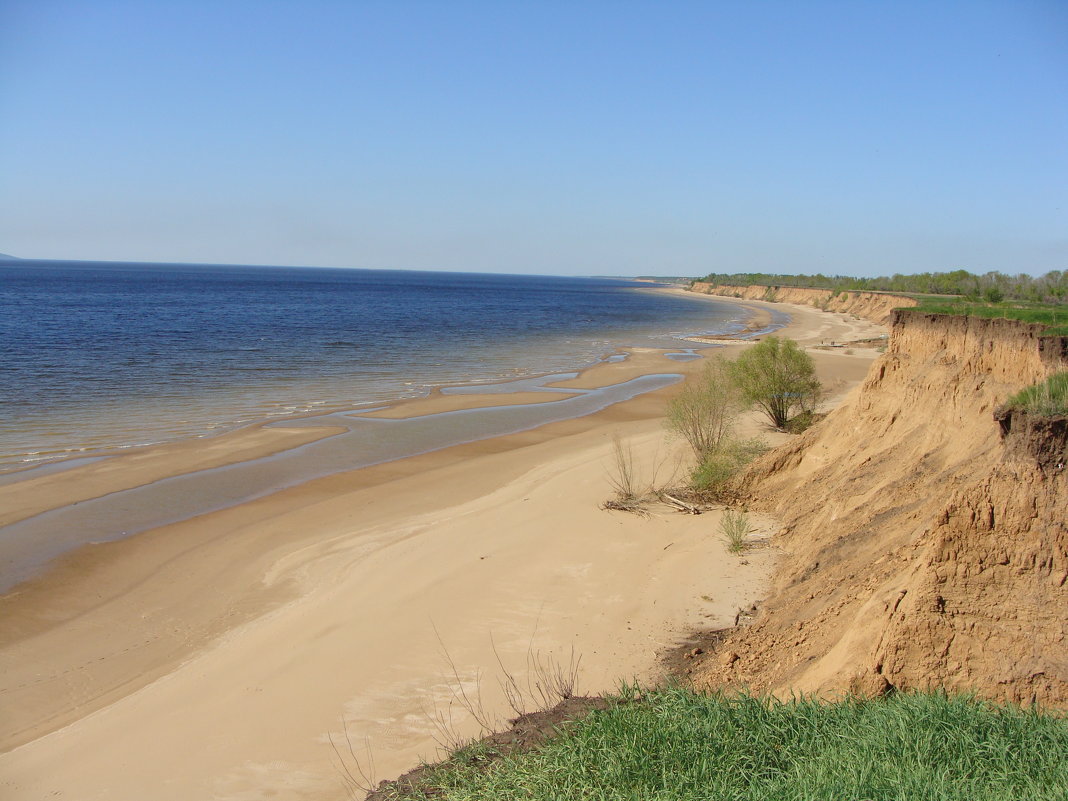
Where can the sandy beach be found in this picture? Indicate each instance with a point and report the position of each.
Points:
(216, 657)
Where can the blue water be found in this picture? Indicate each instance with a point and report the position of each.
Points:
(29, 545)
(97, 356)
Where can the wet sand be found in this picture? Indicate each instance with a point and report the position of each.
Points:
(216, 656)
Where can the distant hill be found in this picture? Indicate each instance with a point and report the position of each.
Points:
(6, 257)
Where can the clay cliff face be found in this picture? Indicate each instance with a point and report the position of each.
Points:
(926, 540)
(874, 306)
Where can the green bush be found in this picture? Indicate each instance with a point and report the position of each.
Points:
(803, 421)
(779, 378)
(711, 475)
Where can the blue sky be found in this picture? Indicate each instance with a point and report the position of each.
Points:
(581, 138)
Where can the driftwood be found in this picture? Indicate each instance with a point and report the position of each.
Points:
(682, 506)
(639, 505)
(626, 506)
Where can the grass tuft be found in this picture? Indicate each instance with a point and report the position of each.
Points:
(1048, 398)
(623, 475)
(734, 528)
(710, 477)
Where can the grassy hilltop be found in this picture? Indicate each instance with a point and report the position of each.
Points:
(679, 745)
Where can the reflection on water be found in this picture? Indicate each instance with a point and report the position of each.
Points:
(688, 355)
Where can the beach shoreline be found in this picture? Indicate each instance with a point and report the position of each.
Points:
(63, 483)
(290, 350)
(275, 608)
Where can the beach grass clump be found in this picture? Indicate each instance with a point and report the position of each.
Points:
(623, 476)
(1048, 398)
(734, 529)
(676, 744)
(632, 488)
(710, 477)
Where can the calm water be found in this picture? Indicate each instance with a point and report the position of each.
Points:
(104, 355)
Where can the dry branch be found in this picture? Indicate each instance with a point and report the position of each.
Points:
(681, 505)
(634, 506)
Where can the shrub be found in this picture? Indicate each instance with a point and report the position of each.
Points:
(712, 473)
(803, 422)
(779, 378)
(704, 411)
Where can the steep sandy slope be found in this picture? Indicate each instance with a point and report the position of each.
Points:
(927, 542)
(874, 306)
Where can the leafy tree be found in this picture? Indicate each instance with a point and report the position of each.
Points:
(778, 377)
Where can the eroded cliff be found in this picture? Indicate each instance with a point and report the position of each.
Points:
(874, 306)
(926, 540)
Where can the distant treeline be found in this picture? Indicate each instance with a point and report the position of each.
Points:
(993, 286)
(666, 279)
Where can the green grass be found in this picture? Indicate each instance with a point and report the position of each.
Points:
(1047, 398)
(675, 745)
(733, 529)
(1054, 317)
(710, 477)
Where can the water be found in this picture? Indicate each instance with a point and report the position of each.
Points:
(29, 545)
(97, 356)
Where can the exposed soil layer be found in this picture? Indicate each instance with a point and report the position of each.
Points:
(926, 537)
(875, 306)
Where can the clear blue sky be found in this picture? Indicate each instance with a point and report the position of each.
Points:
(667, 138)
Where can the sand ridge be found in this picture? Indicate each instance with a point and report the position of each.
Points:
(214, 658)
(33, 495)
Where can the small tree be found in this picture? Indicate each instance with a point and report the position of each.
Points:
(703, 413)
(778, 377)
